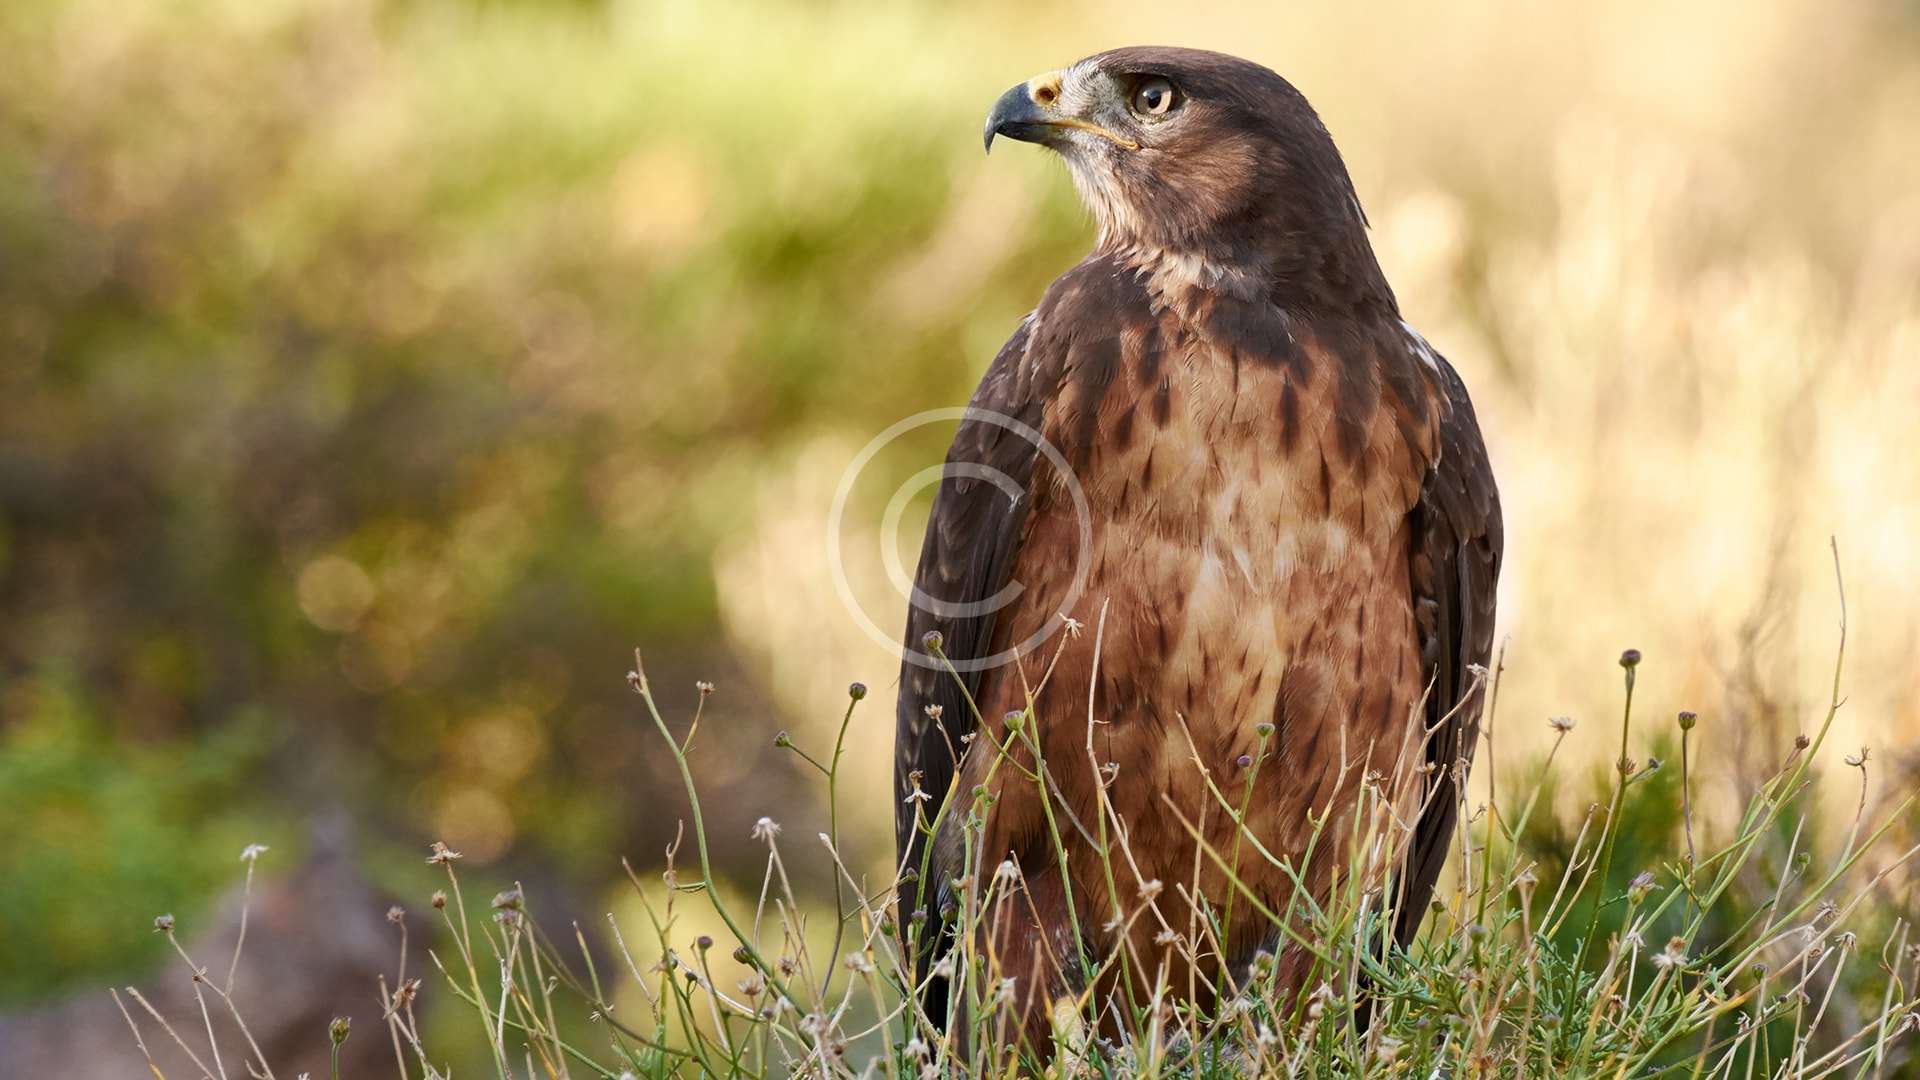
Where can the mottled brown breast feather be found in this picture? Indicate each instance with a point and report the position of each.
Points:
(1306, 533)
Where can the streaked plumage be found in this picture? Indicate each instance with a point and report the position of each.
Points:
(1292, 521)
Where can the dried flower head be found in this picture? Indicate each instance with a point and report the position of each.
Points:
(765, 830)
(396, 914)
(442, 854)
(163, 924)
(1673, 956)
(918, 794)
(1561, 724)
(252, 852)
(438, 899)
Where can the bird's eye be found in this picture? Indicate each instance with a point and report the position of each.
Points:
(1155, 96)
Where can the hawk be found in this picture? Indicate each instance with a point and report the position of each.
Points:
(1216, 445)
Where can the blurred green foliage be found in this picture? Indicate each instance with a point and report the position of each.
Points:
(103, 833)
(376, 374)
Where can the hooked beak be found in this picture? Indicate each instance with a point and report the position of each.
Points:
(1028, 112)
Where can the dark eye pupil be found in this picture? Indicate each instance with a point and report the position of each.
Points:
(1154, 97)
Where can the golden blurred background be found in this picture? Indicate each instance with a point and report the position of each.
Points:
(377, 373)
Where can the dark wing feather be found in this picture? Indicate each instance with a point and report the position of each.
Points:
(1456, 564)
(972, 537)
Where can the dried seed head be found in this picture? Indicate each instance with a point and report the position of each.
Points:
(935, 712)
(396, 914)
(1673, 956)
(1859, 760)
(765, 830)
(163, 924)
(1801, 742)
(406, 994)
(1561, 724)
(442, 854)
(1687, 719)
(918, 794)
(1317, 1001)
(511, 900)
(252, 852)
(782, 740)
(438, 899)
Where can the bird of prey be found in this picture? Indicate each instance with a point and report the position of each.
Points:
(1216, 446)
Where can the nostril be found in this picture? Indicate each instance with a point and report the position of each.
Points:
(1045, 90)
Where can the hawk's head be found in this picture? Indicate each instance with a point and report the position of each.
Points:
(1203, 155)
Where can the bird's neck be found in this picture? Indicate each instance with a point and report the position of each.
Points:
(1340, 280)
